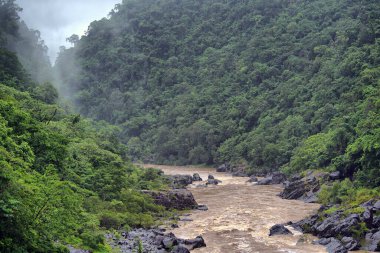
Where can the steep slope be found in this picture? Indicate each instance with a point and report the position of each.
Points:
(273, 84)
(64, 179)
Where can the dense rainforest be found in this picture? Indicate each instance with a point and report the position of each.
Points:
(274, 85)
(271, 85)
(63, 178)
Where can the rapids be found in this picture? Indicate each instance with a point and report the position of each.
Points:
(240, 215)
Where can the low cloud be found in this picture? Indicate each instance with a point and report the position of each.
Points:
(59, 19)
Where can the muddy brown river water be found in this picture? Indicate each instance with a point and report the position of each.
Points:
(240, 215)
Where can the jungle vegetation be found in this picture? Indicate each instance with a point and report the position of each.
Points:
(275, 85)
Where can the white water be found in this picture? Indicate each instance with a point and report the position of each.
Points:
(240, 215)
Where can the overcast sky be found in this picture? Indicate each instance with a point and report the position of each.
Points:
(59, 19)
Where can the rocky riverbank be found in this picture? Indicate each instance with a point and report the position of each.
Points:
(340, 230)
(153, 240)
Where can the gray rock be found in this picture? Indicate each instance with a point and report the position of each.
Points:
(265, 181)
(279, 229)
(180, 181)
(211, 177)
(180, 249)
(196, 177)
(335, 246)
(198, 242)
(179, 199)
(278, 177)
(376, 206)
(169, 242)
(372, 241)
(305, 189)
(222, 168)
(334, 175)
(202, 207)
(213, 181)
(350, 243)
(367, 216)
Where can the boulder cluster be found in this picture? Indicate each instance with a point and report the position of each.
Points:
(341, 232)
(154, 240)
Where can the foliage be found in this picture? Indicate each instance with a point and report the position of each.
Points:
(289, 85)
(346, 193)
(64, 178)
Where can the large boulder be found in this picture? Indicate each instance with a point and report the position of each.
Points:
(198, 242)
(333, 245)
(350, 243)
(213, 181)
(305, 189)
(196, 177)
(372, 241)
(179, 199)
(180, 181)
(273, 178)
(336, 175)
(265, 181)
(223, 168)
(279, 229)
(278, 177)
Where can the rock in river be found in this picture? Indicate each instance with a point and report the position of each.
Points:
(279, 229)
(179, 199)
(155, 240)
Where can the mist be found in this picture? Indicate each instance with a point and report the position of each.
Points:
(59, 19)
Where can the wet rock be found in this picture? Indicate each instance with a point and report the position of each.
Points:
(367, 216)
(202, 207)
(278, 177)
(252, 179)
(305, 189)
(334, 175)
(180, 249)
(222, 168)
(196, 177)
(198, 242)
(180, 181)
(155, 240)
(274, 178)
(309, 197)
(179, 199)
(169, 242)
(213, 181)
(376, 206)
(210, 177)
(350, 243)
(265, 181)
(174, 226)
(372, 241)
(376, 222)
(279, 229)
(335, 246)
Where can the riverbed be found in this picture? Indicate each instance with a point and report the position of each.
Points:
(240, 215)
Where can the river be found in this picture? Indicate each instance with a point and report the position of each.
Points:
(240, 215)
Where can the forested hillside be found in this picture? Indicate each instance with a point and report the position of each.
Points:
(63, 178)
(289, 85)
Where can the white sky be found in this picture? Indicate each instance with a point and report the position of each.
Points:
(59, 19)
